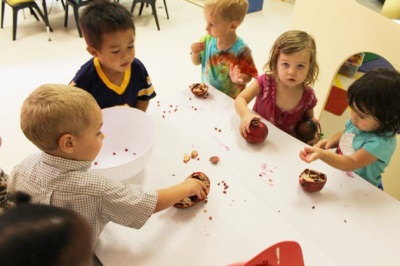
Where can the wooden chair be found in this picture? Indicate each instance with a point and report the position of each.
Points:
(16, 6)
(153, 7)
(76, 4)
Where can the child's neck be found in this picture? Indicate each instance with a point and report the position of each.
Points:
(113, 76)
(227, 41)
(287, 97)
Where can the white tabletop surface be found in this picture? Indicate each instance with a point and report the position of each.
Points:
(349, 222)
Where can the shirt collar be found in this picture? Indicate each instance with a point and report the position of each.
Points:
(67, 164)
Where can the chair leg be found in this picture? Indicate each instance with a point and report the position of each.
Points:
(66, 15)
(141, 9)
(133, 5)
(2, 12)
(166, 9)
(33, 13)
(76, 15)
(41, 15)
(153, 7)
(62, 3)
(15, 18)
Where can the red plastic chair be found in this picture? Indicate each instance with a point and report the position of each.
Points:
(286, 253)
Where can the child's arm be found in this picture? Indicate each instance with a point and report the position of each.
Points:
(241, 102)
(142, 105)
(169, 196)
(238, 77)
(330, 143)
(196, 48)
(357, 160)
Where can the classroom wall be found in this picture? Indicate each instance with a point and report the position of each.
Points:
(342, 28)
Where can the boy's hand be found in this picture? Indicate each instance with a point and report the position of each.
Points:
(197, 47)
(245, 123)
(234, 73)
(195, 187)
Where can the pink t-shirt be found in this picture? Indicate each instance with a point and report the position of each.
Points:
(265, 105)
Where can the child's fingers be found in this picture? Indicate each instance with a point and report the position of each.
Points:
(302, 155)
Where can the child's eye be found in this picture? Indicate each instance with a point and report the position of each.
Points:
(301, 66)
(131, 46)
(115, 52)
(99, 133)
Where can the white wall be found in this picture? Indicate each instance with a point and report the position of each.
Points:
(342, 28)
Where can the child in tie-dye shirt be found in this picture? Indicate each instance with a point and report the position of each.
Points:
(227, 63)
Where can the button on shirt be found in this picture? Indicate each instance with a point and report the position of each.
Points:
(68, 183)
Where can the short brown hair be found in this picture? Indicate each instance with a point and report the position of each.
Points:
(292, 42)
(53, 110)
(229, 10)
(101, 17)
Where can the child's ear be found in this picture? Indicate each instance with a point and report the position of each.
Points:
(66, 143)
(92, 51)
(234, 25)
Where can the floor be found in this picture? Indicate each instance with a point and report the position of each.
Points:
(33, 60)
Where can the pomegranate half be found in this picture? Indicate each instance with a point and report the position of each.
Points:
(312, 180)
(258, 132)
(190, 201)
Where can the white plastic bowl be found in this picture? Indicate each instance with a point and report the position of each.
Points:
(129, 137)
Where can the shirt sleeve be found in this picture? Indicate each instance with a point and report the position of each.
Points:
(128, 204)
(146, 90)
(381, 147)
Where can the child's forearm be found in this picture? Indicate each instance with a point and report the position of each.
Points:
(142, 105)
(195, 58)
(338, 161)
(241, 106)
(334, 141)
(169, 196)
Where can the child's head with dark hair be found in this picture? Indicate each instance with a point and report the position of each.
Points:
(101, 17)
(377, 94)
(33, 234)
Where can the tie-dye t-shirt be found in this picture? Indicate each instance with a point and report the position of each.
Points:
(216, 63)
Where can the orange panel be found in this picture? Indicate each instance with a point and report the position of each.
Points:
(337, 101)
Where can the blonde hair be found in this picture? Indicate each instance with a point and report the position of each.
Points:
(53, 110)
(292, 42)
(228, 10)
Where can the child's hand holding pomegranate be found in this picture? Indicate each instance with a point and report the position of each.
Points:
(246, 121)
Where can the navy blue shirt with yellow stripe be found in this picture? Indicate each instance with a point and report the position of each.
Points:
(135, 86)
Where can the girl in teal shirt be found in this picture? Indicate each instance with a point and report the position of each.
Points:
(368, 141)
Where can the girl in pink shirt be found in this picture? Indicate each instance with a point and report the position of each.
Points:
(284, 95)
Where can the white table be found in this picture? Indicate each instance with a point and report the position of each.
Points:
(349, 222)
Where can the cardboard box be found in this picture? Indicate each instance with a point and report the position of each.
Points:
(255, 5)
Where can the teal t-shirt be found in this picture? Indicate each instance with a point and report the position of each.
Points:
(215, 65)
(382, 147)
